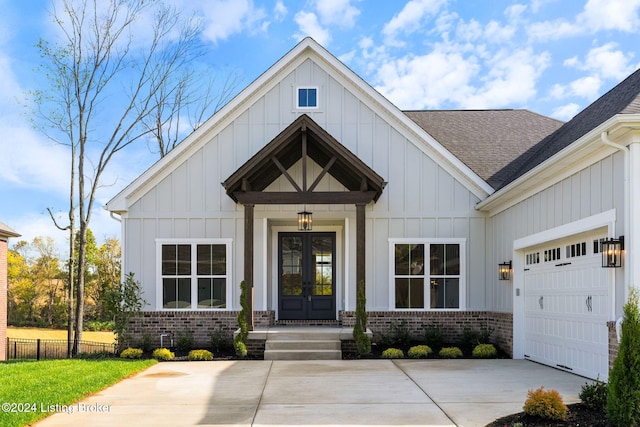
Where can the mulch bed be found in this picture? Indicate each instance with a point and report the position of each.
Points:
(579, 415)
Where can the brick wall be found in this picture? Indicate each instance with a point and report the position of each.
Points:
(201, 324)
(3, 299)
(450, 323)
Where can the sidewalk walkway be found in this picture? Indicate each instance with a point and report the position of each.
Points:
(320, 393)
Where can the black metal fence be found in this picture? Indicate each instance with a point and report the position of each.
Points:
(39, 349)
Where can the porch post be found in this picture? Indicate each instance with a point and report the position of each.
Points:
(360, 248)
(248, 261)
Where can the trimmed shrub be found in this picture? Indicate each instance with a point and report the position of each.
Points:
(399, 335)
(450, 352)
(200, 355)
(433, 336)
(594, 395)
(162, 354)
(485, 351)
(392, 353)
(185, 341)
(419, 351)
(131, 353)
(363, 342)
(623, 400)
(545, 404)
(240, 339)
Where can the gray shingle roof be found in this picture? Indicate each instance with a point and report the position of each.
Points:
(487, 141)
(622, 99)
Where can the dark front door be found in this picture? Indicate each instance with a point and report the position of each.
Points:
(306, 271)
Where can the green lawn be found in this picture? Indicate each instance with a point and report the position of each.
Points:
(29, 389)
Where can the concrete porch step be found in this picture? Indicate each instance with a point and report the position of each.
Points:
(303, 343)
(302, 355)
(280, 344)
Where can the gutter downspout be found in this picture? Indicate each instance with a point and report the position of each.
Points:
(604, 136)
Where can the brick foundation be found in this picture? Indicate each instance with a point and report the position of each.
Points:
(202, 324)
(450, 323)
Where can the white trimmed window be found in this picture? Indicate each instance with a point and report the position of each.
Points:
(194, 274)
(307, 97)
(427, 274)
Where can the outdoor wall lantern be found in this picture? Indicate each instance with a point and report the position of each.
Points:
(305, 221)
(611, 250)
(504, 271)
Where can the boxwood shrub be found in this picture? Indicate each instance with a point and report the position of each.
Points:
(419, 351)
(162, 354)
(200, 355)
(450, 353)
(393, 353)
(485, 351)
(131, 353)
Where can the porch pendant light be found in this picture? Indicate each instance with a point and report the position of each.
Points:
(611, 250)
(504, 271)
(305, 221)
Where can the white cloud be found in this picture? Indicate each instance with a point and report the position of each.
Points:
(410, 19)
(279, 11)
(427, 81)
(511, 79)
(224, 18)
(309, 26)
(608, 62)
(586, 87)
(337, 12)
(597, 15)
(620, 15)
(566, 112)
(32, 162)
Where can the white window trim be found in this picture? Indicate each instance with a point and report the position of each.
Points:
(297, 98)
(194, 277)
(425, 241)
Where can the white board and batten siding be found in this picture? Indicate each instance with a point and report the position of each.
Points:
(422, 199)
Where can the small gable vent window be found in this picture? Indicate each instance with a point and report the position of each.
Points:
(307, 97)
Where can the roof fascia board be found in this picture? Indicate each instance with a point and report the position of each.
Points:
(559, 166)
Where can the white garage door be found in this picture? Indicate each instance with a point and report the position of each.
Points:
(567, 305)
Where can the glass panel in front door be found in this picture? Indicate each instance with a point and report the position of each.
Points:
(322, 259)
(291, 265)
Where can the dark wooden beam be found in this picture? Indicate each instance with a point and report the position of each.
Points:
(308, 197)
(323, 173)
(304, 157)
(361, 254)
(248, 261)
(285, 173)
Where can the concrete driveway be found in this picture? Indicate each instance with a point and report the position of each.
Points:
(319, 393)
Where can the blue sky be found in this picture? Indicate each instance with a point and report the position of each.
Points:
(553, 57)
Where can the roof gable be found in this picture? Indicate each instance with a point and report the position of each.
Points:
(304, 138)
(305, 50)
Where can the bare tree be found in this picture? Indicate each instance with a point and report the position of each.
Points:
(184, 99)
(86, 105)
